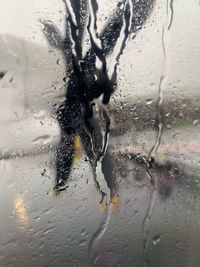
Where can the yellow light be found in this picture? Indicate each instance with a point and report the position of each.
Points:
(77, 142)
(77, 147)
(20, 209)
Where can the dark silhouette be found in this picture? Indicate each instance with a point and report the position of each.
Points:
(77, 115)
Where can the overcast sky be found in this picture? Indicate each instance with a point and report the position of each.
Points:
(141, 64)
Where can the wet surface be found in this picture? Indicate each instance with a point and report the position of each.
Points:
(80, 115)
(40, 227)
(90, 174)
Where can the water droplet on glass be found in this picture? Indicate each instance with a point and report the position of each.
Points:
(156, 239)
(43, 139)
(149, 101)
(168, 126)
(82, 242)
(195, 122)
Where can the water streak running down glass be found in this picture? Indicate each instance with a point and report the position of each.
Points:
(99, 133)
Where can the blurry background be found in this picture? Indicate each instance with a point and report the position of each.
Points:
(152, 225)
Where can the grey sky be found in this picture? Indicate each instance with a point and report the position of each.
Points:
(140, 66)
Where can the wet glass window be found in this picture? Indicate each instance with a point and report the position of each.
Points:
(99, 133)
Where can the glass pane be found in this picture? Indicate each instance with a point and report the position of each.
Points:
(99, 133)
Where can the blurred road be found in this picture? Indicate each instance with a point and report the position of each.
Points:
(151, 226)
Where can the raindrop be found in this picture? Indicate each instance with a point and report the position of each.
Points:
(2, 74)
(156, 239)
(39, 115)
(149, 101)
(168, 126)
(65, 79)
(82, 242)
(196, 122)
(43, 139)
